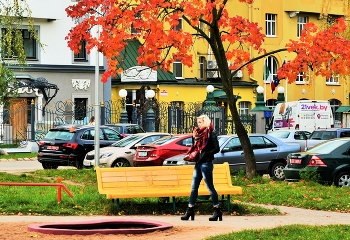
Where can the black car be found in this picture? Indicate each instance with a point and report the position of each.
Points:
(329, 159)
(67, 145)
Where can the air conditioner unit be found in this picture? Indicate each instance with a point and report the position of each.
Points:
(239, 74)
(212, 65)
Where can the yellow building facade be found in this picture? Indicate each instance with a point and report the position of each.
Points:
(281, 21)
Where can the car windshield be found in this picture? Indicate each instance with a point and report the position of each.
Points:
(126, 141)
(280, 134)
(326, 147)
(57, 134)
(165, 139)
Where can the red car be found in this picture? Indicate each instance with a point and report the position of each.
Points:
(155, 153)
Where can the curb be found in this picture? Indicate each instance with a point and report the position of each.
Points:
(19, 159)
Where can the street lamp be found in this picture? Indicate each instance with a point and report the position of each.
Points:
(280, 95)
(123, 115)
(150, 94)
(261, 111)
(210, 89)
(260, 89)
(210, 108)
(150, 119)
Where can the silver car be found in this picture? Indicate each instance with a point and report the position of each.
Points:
(292, 136)
(122, 152)
(270, 154)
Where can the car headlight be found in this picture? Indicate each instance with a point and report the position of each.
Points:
(105, 155)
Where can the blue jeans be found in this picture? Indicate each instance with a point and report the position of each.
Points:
(203, 170)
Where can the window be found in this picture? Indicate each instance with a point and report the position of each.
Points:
(270, 71)
(300, 78)
(29, 45)
(201, 25)
(271, 25)
(179, 25)
(176, 113)
(233, 145)
(111, 135)
(335, 103)
(271, 103)
(177, 69)
(301, 23)
(244, 107)
(80, 108)
(334, 80)
(81, 56)
(201, 67)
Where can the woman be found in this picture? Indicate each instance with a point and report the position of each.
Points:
(92, 121)
(206, 140)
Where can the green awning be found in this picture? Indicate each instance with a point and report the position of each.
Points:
(128, 59)
(343, 109)
(221, 95)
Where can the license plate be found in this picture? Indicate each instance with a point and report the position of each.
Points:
(52, 147)
(142, 154)
(295, 161)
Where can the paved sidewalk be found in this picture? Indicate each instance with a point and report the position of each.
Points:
(230, 223)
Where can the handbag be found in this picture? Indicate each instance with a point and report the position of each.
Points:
(192, 156)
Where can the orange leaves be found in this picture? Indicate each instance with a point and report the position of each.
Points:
(155, 22)
(324, 52)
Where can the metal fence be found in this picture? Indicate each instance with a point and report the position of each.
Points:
(32, 122)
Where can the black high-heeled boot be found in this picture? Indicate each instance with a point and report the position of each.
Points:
(189, 213)
(217, 215)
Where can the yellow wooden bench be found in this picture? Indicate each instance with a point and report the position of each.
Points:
(161, 181)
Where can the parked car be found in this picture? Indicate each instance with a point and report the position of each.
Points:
(292, 136)
(126, 128)
(153, 154)
(270, 154)
(67, 145)
(329, 159)
(177, 160)
(121, 153)
(321, 135)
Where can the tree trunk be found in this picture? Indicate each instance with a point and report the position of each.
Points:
(243, 137)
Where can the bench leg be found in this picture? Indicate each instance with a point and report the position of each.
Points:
(174, 204)
(228, 203)
(117, 203)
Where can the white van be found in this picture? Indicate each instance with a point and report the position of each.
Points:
(305, 115)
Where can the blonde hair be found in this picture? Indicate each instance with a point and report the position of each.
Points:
(206, 120)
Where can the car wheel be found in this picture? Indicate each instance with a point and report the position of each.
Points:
(47, 165)
(343, 179)
(277, 171)
(121, 163)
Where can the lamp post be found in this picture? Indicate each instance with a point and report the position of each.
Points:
(261, 111)
(209, 104)
(280, 95)
(211, 109)
(150, 119)
(123, 114)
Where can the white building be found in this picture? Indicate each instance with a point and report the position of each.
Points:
(74, 74)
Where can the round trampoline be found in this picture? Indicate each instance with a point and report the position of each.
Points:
(122, 226)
